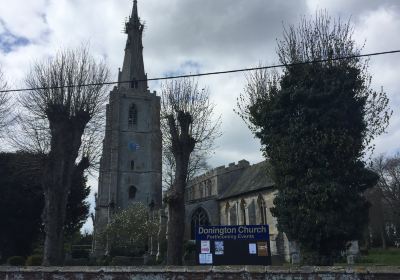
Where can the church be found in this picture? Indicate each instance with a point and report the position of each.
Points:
(131, 165)
(237, 194)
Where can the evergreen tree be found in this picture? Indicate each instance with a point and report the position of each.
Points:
(316, 122)
(22, 201)
(21, 204)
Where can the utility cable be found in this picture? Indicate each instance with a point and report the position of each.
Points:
(210, 73)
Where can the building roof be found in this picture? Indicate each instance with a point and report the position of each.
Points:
(254, 178)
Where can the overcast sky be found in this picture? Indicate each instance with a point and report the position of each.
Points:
(190, 36)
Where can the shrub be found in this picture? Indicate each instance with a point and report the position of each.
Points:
(189, 246)
(128, 232)
(189, 249)
(103, 261)
(121, 260)
(80, 254)
(77, 262)
(16, 261)
(34, 260)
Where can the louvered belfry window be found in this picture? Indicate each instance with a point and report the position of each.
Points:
(132, 117)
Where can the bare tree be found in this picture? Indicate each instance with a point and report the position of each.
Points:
(6, 115)
(388, 169)
(32, 135)
(58, 116)
(377, 218)
(188, 129)
(197, 164)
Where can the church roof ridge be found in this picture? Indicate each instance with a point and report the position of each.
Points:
(252, 179)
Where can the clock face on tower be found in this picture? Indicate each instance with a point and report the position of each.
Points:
(132, 146)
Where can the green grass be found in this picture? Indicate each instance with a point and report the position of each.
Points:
(389, 256)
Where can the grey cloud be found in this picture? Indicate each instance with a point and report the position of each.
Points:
(357, 7)
(219, 30)
(354, 8)
(10, 41)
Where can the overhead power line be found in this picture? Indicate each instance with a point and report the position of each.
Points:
(210, 73)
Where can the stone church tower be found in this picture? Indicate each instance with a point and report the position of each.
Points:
(130, 166)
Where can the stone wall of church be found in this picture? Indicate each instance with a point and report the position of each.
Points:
(209, 206)
(139, 165)
(255, 208)
(203, 192)
(215, 181)
(130, 168)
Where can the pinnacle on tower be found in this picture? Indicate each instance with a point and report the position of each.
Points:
(133, 67)
(134, 15)
(134, 20)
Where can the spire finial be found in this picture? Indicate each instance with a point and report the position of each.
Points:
(135, 16)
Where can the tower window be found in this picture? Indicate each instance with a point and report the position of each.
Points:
(132, 117)
(132, 192)
(134, 84)
(132, 164)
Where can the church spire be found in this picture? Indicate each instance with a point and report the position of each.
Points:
(133, 66)
(135, 16)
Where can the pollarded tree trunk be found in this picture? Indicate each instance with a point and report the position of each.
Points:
(59, 167)
(182, 146)
(54, 216)
(176, 215)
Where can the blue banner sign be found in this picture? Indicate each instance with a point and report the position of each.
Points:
(240, 232)
(233, 245)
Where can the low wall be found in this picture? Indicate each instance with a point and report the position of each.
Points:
(197, 272)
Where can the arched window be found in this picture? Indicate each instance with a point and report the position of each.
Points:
(199, 218)
(188, 193)
(251, 212)
(233, 215)
(208, 187)
(243, 211)
(132, 165)
(261, 209)
(132, 116)
(227, 213)
(132, 192)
